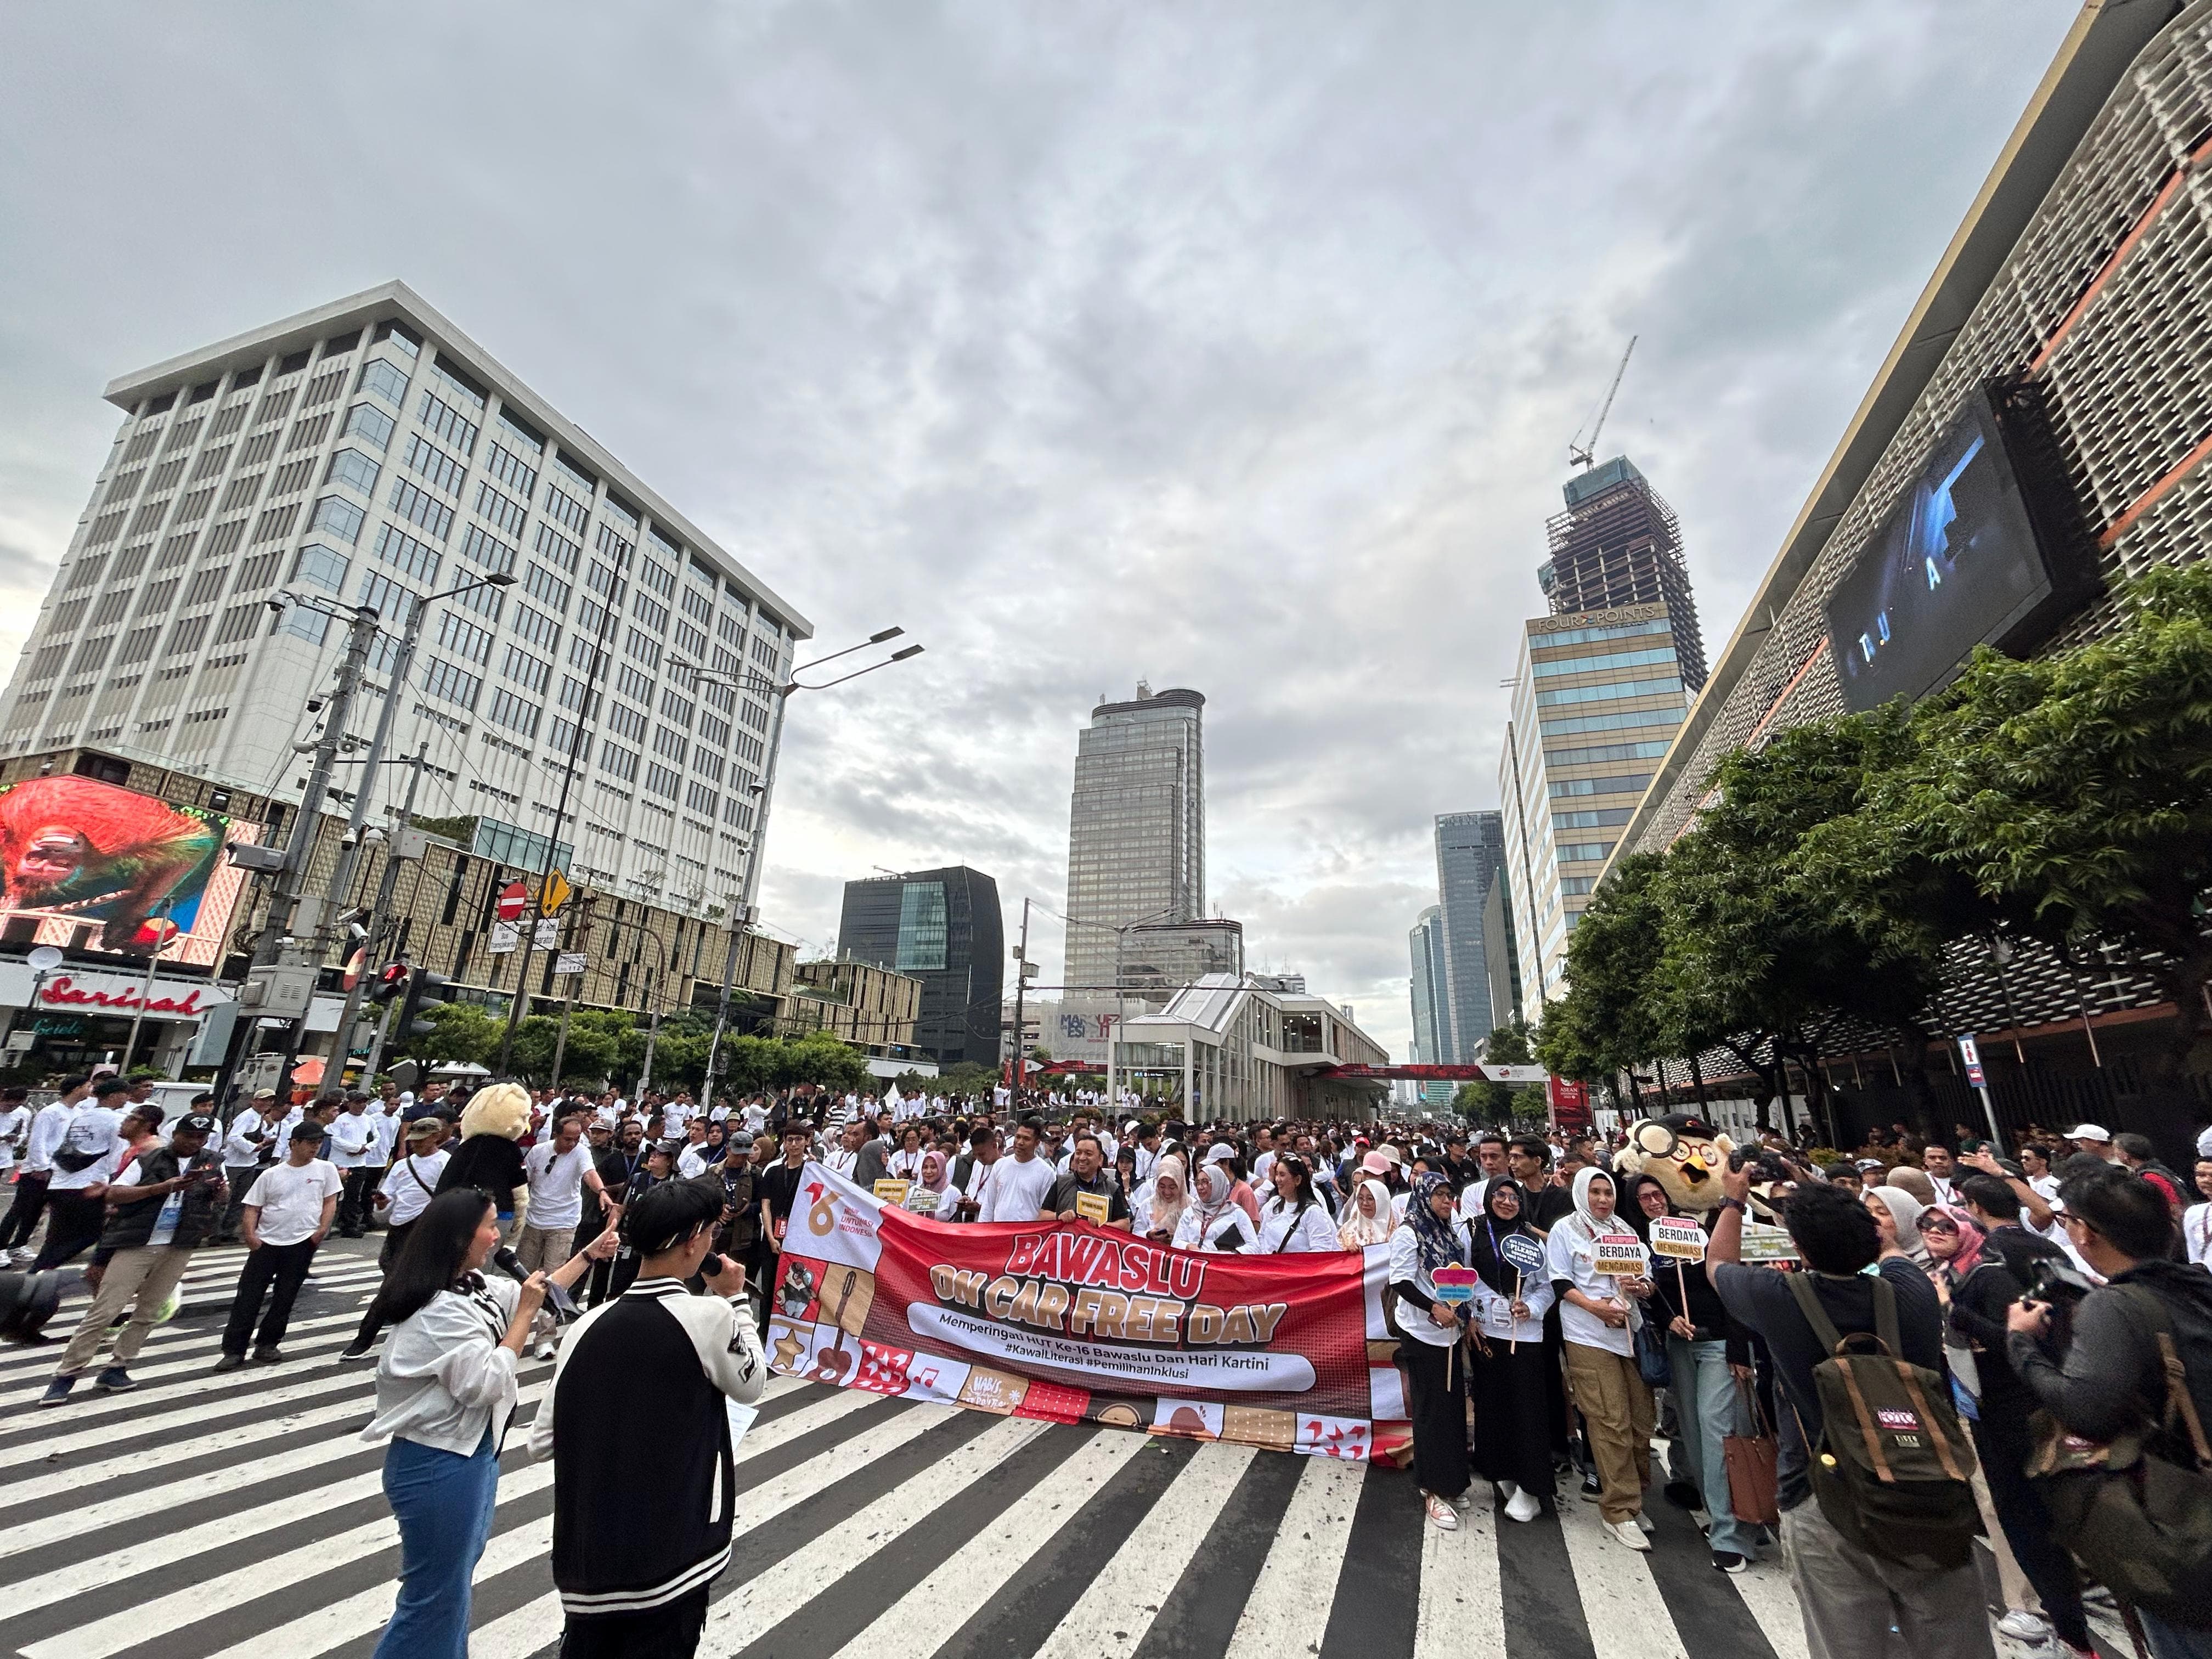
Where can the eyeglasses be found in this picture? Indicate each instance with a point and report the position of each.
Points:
(1938, 1224)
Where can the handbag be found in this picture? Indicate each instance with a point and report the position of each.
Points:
(1651, 1361)
(1753, 1494)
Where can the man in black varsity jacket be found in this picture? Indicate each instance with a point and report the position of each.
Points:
(641, 1523)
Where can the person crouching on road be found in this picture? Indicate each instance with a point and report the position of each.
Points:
(642, 1524)
(445, 1388)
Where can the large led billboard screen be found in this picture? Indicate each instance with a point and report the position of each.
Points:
(99, 867)
(1964, 559)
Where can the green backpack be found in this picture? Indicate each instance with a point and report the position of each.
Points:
(2140, 1521)
(1893, 1470)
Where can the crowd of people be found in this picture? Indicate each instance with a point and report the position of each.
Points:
(2064, 1276)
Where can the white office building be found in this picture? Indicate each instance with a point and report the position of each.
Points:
(368, 452)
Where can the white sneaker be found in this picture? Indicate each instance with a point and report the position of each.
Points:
(1626, 1532)
(1643, 1524)
(2023, 1626)
(1524, 1507)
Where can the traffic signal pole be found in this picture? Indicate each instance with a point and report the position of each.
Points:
(292, 880)
(380, 922)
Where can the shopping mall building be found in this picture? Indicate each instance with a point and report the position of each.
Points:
(2040, 431)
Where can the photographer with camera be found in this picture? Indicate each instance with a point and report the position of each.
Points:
(641, 1525)
(2135, 1380)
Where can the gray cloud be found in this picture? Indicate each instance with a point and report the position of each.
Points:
(1235, 348)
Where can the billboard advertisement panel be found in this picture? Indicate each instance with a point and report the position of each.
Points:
(100, 867)
(1962, 561)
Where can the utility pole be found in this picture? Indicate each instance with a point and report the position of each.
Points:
(729, 973)
(1021, 993)
(379, 920)
(292, 880)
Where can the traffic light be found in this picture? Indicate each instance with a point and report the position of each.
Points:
(391, 984)
(426, 990)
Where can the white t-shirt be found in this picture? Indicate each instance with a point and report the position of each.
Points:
(1285, 1230)
(691, 1163)
(387, 1127)
(47, 1129)
(92, 1130)
(556, 1184)
(1571, 1254)
(14, 1125)
(290, 1199)
(1016, 1190)
(352, 1136)
(2196, 1233)
(411, 1184)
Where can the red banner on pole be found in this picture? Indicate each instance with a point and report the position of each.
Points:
(1075, 1324)
(1571, 1108)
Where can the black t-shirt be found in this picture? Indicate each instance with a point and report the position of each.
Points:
(491, 1163)
(777, 1187)
(1061, 1197)
(1550, 1206)
(614, 1175)
(1759, 1298)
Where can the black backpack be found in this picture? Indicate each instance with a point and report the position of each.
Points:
(2139, 1521)
(1892, 1471)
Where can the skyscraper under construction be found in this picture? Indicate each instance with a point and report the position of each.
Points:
(1617, 545)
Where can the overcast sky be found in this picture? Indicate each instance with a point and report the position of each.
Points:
(1233, 347)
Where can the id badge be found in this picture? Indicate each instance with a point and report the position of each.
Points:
(1498, 1316)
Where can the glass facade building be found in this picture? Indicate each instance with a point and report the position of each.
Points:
(1470, 847)
(941, 927)
(1136, 838)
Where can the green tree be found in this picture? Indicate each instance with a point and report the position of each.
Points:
(2074, 791)
(466, 1034)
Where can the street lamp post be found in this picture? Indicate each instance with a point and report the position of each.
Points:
(1113, 1036)
(780, 692)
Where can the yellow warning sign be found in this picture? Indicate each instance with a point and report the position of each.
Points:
(557, 892)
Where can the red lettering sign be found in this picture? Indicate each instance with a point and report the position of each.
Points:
(65, 991)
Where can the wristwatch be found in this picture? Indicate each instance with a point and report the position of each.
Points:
(1737, 1205)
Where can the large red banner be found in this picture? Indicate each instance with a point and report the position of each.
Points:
(1076, 1323)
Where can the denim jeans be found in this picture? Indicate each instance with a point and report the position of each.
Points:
(2174, 1641)
(1706, 1413)
(443, 1502)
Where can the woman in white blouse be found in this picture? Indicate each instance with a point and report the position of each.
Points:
(1598, 1314)
(1213, 1221)
(445, 1389)
(2197, 1219)
(1433, 1235)
(1293, 1219)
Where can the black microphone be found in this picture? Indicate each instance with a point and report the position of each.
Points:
(563, 1305)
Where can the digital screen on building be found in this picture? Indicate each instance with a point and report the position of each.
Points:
(1957, 563)
(100, 867)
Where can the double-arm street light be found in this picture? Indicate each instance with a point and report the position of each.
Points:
(780, 692)
(1121, 931)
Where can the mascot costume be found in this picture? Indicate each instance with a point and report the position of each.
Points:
(495, 1119)
(1685, 1155)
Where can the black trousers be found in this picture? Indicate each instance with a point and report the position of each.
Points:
(2001, 1442)
(276, 1271)
(73, 1226)
(1436, 1389)
(240, 1178)
(667, 1633)
(1512, 1440)
(23, 1214)
(356, 1193)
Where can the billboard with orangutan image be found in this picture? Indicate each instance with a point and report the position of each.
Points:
(106, 868)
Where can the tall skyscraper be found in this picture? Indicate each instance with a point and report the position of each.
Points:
(1618, 543)
(942, 927)
(1500, 957)
(368, 452)
(1430, 1016)
(1596, 700)
(1469, 848)
(1136, 837)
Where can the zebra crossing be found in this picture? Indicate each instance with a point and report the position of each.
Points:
(238, 1514)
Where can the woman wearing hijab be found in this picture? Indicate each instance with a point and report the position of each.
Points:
(1707, 1406)
(1512, 1433)
(1598, 1314)
(1212, 1221)
(1168, 1201)
(934, 1181)
(1367, 1219)
(1897, 1218)
(1432, 1237)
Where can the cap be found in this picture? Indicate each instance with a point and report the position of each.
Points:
(1220, 1153)
(423, 1128)
(264, 1094)
(742, 1140)
(2089, 1132)
(670, 1147)
(196, 1123)
(1375, 1164)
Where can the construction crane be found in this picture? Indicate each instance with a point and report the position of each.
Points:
(1585, 456)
